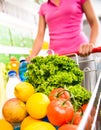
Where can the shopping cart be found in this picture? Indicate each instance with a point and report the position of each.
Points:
(91, 119)
(94, 106)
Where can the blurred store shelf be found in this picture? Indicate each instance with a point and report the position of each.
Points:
(97, 7)
(32, 7)
(13, 50)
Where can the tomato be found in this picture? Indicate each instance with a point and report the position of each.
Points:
(59, 93)
(77, 118)
(83, 107)
(93, 111)
(68, 127)
(89, 123)
(60, 111)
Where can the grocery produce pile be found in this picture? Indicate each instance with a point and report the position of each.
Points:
(62, 109)
(53, 71)
(52, 97)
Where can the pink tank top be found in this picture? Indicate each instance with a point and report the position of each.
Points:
(65, 24)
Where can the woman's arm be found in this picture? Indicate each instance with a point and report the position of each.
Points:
(39, 38)
(94, 24)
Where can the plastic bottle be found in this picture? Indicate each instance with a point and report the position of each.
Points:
(13, 80)
(22, 69)
(14, 64)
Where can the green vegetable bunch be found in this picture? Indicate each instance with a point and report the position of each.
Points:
(53, 71)
(79, 96)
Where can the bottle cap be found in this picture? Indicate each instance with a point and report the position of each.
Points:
(22, 59)
(12, 73)
(13, 58)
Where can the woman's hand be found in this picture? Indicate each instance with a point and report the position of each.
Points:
(29, 58)
(86, 49)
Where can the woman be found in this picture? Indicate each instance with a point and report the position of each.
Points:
(64, 19)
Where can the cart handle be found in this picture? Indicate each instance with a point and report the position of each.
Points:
(96, 49)
(76, 53)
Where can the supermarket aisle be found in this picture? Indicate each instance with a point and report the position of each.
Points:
(87, 31)
(96, 5)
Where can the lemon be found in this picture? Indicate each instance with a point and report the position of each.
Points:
(23, 91)
(37, 105)
(40, 126)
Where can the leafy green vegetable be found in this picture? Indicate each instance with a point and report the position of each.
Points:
(80, 95)
(53, 71)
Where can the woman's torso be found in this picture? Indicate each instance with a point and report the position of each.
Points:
(65, 25)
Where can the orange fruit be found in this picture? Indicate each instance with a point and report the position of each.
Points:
(5, 125)
(14, 110)
(27, 121)
(23, 91)
(37, 105)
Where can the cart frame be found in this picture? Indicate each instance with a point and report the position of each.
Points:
(95, 100)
